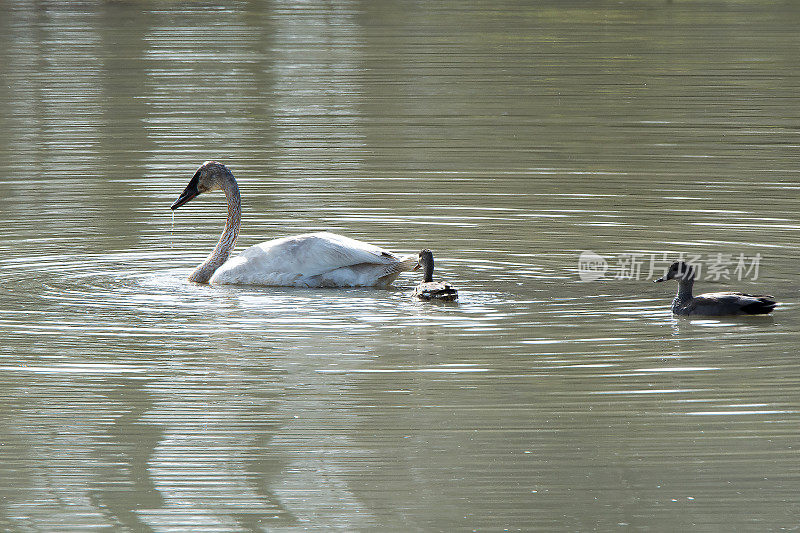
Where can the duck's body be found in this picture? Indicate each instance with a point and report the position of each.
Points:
(723, 303)
(429, 289)
(307, 260)
(713, 303)
(436, 290)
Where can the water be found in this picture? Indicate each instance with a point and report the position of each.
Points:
(508, 138)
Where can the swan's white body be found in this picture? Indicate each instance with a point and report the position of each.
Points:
(308, 260)
(313, 260)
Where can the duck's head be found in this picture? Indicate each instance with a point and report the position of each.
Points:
(677, 270)
(425, 260)
(209, 177)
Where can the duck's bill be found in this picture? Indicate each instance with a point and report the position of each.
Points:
(188, 193)
(659, 280)
(417, 267)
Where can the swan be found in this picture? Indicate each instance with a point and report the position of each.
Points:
(712, 303)
(429, 289)
(308, 260)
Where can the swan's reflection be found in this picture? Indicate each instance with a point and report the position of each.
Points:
(209, 466)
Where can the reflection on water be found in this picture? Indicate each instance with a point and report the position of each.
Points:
(508, 139)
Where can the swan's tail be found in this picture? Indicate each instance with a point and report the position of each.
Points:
(392, 270)
(407, 262)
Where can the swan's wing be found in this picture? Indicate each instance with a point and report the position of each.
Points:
(290, 259)
(314, 253)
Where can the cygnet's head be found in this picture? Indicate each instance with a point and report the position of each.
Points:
(209, 177)
(678, 270)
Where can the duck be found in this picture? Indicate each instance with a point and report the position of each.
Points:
(308, 260)
(712, 303)
(429, 289)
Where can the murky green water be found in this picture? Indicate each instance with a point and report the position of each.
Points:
(508, 137)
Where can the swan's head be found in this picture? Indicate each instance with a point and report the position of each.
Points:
(678, 270)
(209, 177)
(425, 260)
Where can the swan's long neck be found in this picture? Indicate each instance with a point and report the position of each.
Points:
(229, 235)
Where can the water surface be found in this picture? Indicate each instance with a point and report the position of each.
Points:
(508, 138)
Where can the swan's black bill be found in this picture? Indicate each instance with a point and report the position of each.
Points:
(188, 193)
(659, 280)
